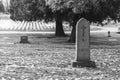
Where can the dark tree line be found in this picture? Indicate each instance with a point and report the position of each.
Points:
(65, 10)
(28, 10)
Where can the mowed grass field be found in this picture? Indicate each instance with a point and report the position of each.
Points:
(49, 58)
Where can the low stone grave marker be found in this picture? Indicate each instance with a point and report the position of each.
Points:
(24, 39)
(82, 45)
(109, 34)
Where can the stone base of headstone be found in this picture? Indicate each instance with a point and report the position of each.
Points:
(84, 64)
(109, 36)
(24, 39)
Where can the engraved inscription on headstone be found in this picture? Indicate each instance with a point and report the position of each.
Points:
(83, 33)
(82, 44)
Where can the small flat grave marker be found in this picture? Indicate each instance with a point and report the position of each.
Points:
(24, 39)
(82, 45)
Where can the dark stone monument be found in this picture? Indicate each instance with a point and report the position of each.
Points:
(24, 39)
(82, 45)
(109, 34)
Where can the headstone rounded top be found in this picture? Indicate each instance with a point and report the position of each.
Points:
(82, 20)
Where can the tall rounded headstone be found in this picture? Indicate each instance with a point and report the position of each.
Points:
(82, 45)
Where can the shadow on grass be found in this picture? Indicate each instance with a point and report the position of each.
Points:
(109, 43)
(118, 32)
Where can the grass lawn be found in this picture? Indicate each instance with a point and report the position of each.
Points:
(49, 58)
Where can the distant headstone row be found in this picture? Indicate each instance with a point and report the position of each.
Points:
(25, 26)
(6, 25)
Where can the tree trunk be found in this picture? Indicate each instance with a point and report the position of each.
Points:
(59, 27)
(73, 35)
(72, 38)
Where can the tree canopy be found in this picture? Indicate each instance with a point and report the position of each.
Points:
(97, 10)
(29, 10)
(93, 10)
(1, 7)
